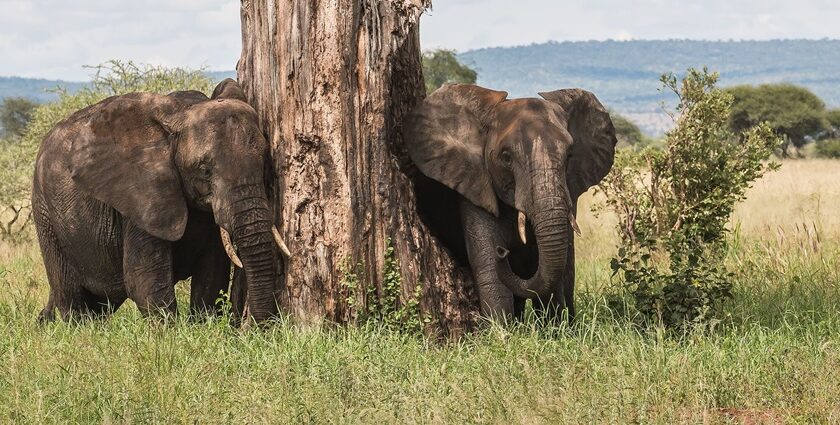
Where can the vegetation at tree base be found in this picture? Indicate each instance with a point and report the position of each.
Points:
(109, 79)
(441, 66)
(793, 112)
(673, 205)
(386, 310)
(627, 133)
(15, 113)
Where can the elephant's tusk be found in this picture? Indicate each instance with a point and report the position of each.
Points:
(574, 224)
(521, 227)
(229, 248)
(280, 244)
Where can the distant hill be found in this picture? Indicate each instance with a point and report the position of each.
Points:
(41, 90)
(34, 88)
(625, 74)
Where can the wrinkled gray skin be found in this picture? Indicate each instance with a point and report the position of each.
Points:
(534, 156)
(129, 194)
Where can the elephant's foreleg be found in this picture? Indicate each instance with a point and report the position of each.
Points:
(147, 267)
(238, 293)
(481, 233)
(210, 279)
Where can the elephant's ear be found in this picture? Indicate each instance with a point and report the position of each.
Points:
(229, 89)
(446, 135)
(593, 148)
(124, 158)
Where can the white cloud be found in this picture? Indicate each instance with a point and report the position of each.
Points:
(465, 24)
(54, 38)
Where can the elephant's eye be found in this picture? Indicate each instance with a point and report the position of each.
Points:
(204, 169)
(506, 158)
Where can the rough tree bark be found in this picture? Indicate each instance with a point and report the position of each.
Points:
(332, 81)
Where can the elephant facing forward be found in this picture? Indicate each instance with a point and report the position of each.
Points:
(139, 191)
(518, 167)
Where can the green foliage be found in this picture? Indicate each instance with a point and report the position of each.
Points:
(388, 307)
(627, 133)
(793, 112)
(832, 118)
(109, 79)
(441, 66)
(673, 204)
(829, 148)
(15, 113)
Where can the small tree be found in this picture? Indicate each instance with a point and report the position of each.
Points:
(627, 133)
(673, 204)
(442, 66)
(794, 113)
(115, 77)
(15, 113)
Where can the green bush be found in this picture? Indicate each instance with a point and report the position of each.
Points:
(111, 78)
(673, 205)
(828, 148)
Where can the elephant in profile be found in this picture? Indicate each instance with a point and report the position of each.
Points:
(139, 191)
(518, 167)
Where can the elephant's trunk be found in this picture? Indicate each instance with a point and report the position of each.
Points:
(251, 227)
(551, 222)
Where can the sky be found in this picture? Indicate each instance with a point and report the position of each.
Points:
(55, 38)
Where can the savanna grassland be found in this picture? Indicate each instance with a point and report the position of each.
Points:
(773, 358)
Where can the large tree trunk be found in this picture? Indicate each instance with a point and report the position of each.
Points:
(332, 82)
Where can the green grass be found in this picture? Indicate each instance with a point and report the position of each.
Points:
(776, 357)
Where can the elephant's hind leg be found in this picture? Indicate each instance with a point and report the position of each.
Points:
(66, 294)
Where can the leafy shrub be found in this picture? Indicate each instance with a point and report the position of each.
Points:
(387, 308)
(17, 160)
(673, 204)
(828, 148)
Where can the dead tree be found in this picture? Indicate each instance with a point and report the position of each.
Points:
(332, 82)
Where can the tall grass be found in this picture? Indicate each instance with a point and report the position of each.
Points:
(774, 358)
